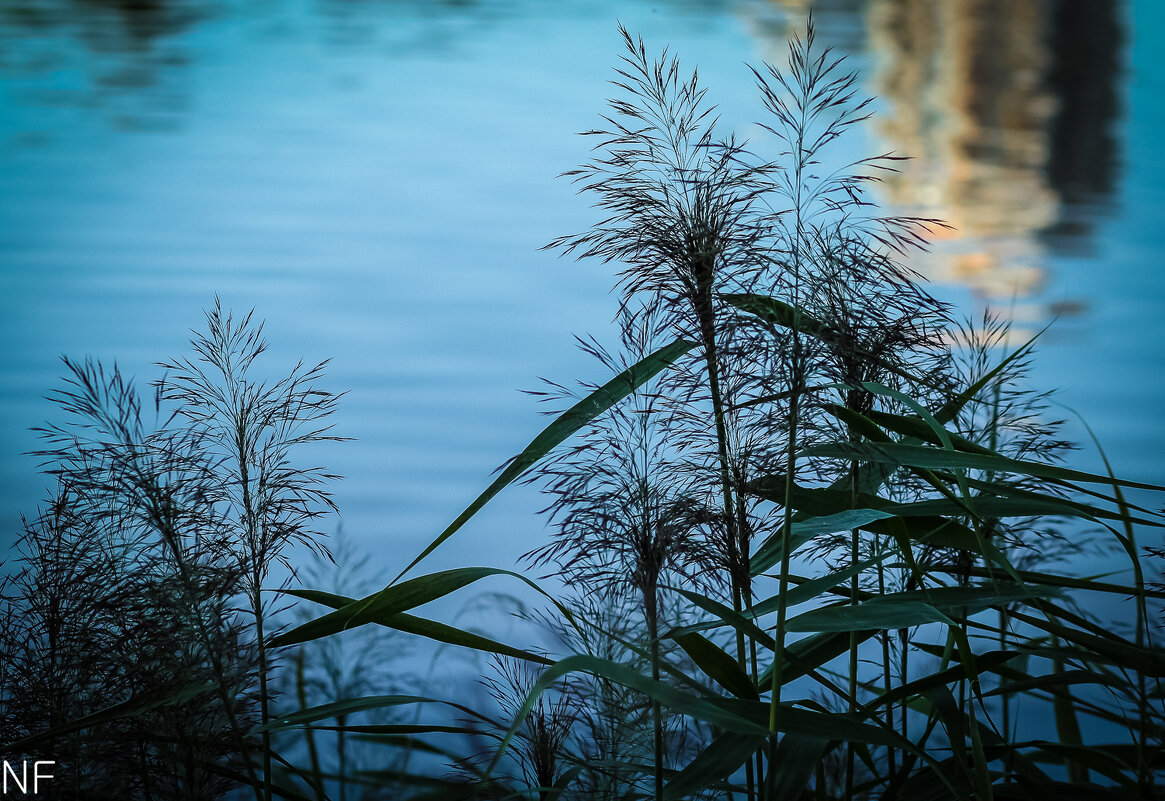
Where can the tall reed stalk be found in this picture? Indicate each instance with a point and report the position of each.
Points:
(624, 519)
(253, 426)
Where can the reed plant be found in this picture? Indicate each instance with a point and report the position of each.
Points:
(124, 591)
(248, 428)
(682, 222)
(626, 522)
(128, 597)
(848, 487)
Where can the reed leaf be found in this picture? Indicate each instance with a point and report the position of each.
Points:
(794, 763)
(771, 550)
(918, 456)
(380, 607)
(714, 763)
(718, 665)
(423, 627)
(560, 430)
(879, 613)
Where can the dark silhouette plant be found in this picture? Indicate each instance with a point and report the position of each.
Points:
(683, 223)
(249, 428)
(132, 576)
(125, 575)
(626, 521)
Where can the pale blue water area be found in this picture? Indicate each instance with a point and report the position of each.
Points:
(375, 179)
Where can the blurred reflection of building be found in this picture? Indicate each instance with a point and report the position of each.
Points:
(839, 25)
(1005, 108)
(119, 56)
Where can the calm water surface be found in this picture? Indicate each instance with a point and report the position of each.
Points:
(375, 177)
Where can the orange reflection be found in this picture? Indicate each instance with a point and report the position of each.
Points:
(1004, 107)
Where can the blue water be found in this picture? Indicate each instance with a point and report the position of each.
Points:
(375, 179)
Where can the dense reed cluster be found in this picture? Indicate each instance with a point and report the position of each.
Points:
(804, 543)
(135, 652)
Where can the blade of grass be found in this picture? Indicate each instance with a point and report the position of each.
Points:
(562, 428)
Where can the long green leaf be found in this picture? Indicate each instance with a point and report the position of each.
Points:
(1082, 758)
(1054, 580)
(1016, 504)
(719, 666)
(952, 407)
(973, 598)
(777, 312)
(346, 706)
(921, 456)
(1058, 679)
(813, 501)
(771, 550)
(382, 729)
(835, 726)
(920, 429)
(725, 615)
(1149, 661)
(953, 720)
(715, 762)
(876, 614)
(988, 662)
(812, 588)
(561, 429)
(792, 768)
(812, 652)
(423, 627)
(383, 605)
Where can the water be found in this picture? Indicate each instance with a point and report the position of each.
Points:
(375, 180)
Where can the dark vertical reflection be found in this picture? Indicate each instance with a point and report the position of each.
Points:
(1087, 39)
(1007, 109)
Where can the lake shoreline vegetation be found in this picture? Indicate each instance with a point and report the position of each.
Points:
(810, 540)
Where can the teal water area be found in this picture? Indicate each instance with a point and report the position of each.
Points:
(376, 177)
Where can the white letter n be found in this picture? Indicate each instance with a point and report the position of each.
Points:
(22, 782)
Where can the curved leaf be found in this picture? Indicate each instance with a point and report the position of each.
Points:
(719, 666)
(383, 605)
(423, 627)
(715, 762)
(347, 706)
(771, 550)
(876, 614)
(896, 454)
(562, 428)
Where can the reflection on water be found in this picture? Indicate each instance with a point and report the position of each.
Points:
(1007, 110)
(1083, 164)
(122, 58)
(125, 59)
(375, 176)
